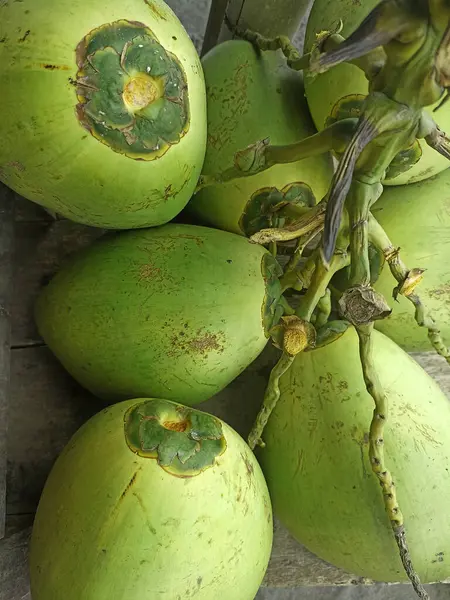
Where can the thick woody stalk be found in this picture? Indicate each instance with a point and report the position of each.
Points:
(360, 202)
(376, 454)
(271, 398)
(319, 283)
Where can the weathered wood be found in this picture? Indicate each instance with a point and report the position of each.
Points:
(269, 17)
(6, 288)
(17, 523)
(47, 407)
(42, 248)
(24, 210)
(14, 579)
(436, 366)
(214, 25)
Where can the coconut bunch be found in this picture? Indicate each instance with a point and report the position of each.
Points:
(294, 212)
(376, 126)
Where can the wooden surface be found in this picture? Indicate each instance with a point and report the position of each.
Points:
(6, 276)
(214, 25)
(275, 17)
(47, 407)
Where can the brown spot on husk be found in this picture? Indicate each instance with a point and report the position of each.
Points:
(155, 10)
(144, 510)
(24, 37)
(16, 165)
(204, 343)
(50, 67)
(149, 272)
(199, 343)
(362, 440)
(198, 240)
(129, 486)
(232, 110)
(441, 292)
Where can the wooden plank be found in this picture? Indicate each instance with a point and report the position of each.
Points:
(273, 18)
(436, 367)
(27, 211)
(17, 523)
(47, 407)
(6, 286)
(42, 248)
(14, 579)
(214, 25)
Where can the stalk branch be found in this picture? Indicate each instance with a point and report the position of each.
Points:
(376, 454)
(408, 280)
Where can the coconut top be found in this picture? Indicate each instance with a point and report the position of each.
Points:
(184, 441)
(132, 92)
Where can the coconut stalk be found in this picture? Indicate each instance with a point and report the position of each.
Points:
(408, 280)
(297, 333)
(405, 78)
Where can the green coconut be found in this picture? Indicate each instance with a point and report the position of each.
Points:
(251, 96)
(318, 471)
(339, 93)
(177, 311)
(422, 234)
(156, 501)
(103, 112)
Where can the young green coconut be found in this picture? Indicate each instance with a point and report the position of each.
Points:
(402, 47)
(176, 311)
(251, 96)
(340, 92)
(103, 110)
(152, 500)
(316, 460)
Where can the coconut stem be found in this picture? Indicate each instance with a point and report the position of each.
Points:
(308, 224)
(302, 242)
(317, 291)
(261, 155)
(376, 453)
(439, 141)
(401, 274)
(323, 310)
(359, 209)
(271, 397)
(400, 538)
(287, 308)
(319, 283)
